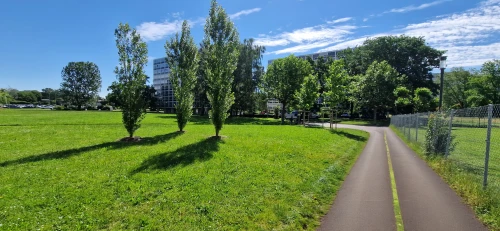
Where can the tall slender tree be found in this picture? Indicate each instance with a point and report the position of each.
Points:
(247, 75)
(182, 58)
(220, 56)
(131, 79)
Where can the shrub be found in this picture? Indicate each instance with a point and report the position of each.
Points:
(59, 108)
(436, 137)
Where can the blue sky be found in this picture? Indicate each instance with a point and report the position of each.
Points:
(40, 37)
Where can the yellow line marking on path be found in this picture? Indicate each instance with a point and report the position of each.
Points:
(395, 200)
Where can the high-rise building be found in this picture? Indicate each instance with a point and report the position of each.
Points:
(329, 54)
(162, 85)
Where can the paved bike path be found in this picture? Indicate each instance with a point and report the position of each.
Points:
(364, 202)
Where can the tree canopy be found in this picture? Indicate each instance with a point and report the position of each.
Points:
(182, 58)
(219, 58)
(409, 56)
(81, 83)
(284, 78)
(131, 79)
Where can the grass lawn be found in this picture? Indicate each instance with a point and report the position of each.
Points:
(66, 170)
(465, 167)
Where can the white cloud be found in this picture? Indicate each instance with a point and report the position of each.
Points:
(271, 42)
(244, 12)
(305, 39)
(177, 14)
(469, 56)
(339, 20)
(413, 7)
(469, 37)
(301, 48)
(152, 31)
(365, 19)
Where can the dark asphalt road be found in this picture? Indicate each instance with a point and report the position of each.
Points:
(364, 201)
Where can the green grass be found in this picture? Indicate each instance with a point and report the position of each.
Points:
(66, 170)
(463, 171)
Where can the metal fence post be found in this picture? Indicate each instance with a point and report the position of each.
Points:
(488, 137)
(448, 142)
(416, 127)
(404, 125)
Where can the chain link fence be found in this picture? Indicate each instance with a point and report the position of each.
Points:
(470, 137)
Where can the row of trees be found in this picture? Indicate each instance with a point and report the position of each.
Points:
(14, 96)
(214, 63)
(472, 88)
(385, 74)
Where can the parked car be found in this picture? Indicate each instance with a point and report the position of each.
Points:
(345, 115)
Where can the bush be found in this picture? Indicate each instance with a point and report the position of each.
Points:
(59, 108)
(436, 137)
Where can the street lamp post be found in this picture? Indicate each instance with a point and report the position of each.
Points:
(442, 66)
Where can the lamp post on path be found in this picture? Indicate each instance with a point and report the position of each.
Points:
(442, 66)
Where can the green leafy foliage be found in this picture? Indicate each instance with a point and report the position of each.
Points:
(247, 76)
(131, 80)
(436, 136)
(219, 57)
(320, 68)
(81, 83)
(456, 87)
(284, 78)
(336, 82)
(409, 56)
(308, 93)
(485, 85)
(423, 100)
(376, 87)
(5, 97)
(182, 58)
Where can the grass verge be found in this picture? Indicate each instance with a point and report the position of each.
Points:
(65, 170)
(485, 203)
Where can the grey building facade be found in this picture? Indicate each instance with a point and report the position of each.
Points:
(162, 85)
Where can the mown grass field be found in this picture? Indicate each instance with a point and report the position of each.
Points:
(464, 168)
(469, 152)
(65, 170)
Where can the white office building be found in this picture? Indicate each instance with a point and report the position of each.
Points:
(161, 83)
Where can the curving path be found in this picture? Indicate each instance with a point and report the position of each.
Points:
(365, 201)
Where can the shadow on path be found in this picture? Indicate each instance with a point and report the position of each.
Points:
(146, 141)
(201, 151)
(348, 135)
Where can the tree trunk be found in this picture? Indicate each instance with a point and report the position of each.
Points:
(375, 115)
(216, 133)
(304, 120)
(282, 113)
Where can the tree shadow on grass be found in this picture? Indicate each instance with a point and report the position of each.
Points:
(235, 120)
(200, 151)
(349, 135)
(146, 141)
